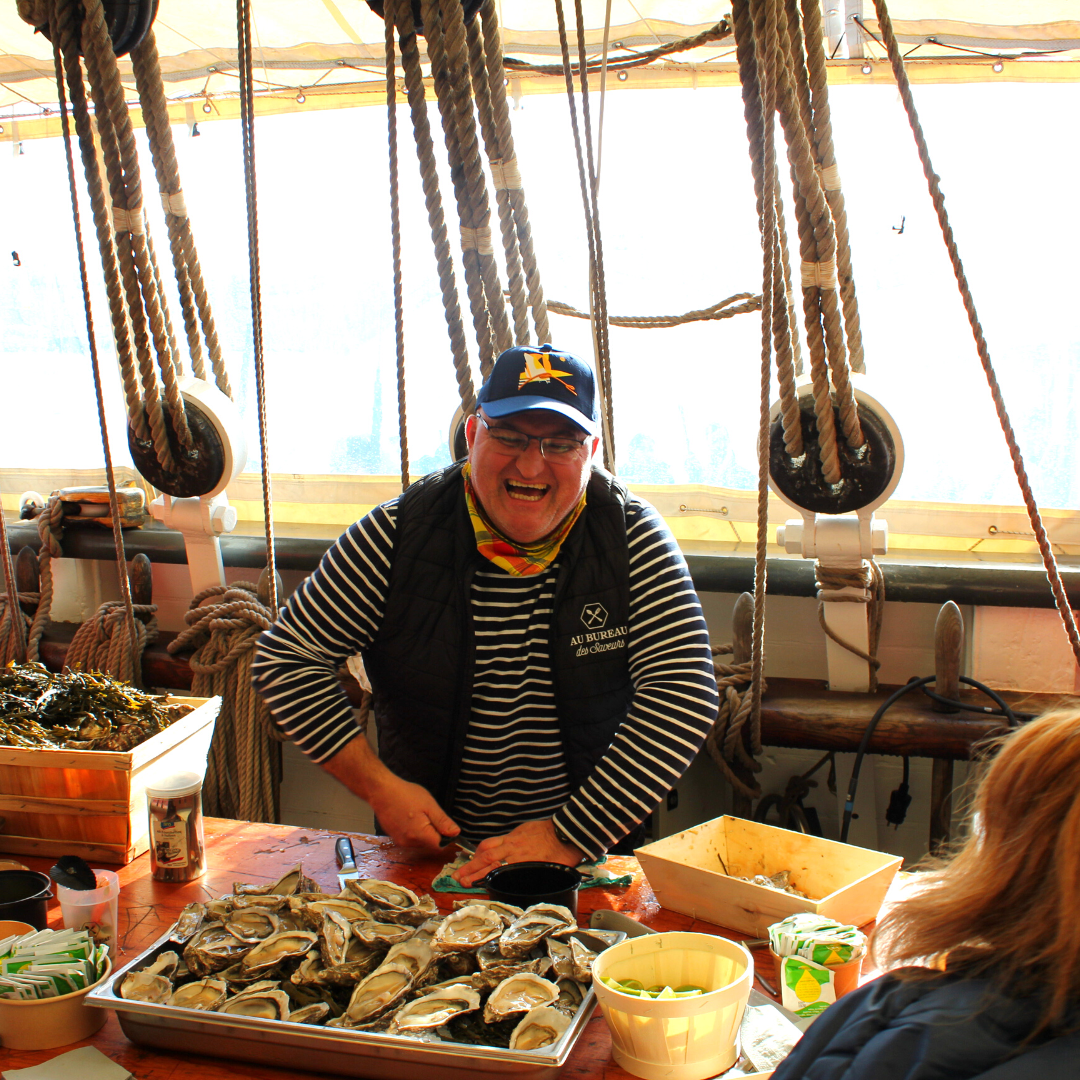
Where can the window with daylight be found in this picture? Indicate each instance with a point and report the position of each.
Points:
(680, 233)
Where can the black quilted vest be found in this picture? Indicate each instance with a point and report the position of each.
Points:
(421, 661)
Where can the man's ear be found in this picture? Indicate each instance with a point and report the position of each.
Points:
(595, 446)
(471, 424)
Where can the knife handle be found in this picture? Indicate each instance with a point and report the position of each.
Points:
(343, 851)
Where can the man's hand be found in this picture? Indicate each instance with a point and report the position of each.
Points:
(410, 815)
(535, 841)
(408, 812)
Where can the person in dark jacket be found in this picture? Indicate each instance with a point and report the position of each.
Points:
(989, 940)
(539, 663)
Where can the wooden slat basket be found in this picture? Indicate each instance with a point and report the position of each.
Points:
(686, 871)
(93, 802)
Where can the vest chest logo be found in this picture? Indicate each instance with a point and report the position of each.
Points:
(599, 637)
(594, 616)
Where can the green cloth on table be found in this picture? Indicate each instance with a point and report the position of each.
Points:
(595, 870)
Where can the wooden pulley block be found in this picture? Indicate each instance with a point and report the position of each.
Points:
(468, 8)
(128, 20)
(219, 445)
(92, 504)
(865, 475)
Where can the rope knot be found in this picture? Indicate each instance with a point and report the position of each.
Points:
(129, 220)
(821, 275)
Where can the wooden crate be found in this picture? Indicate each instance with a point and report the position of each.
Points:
(93, 802)
(685, 872)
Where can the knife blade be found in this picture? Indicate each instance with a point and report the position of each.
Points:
(346, 860)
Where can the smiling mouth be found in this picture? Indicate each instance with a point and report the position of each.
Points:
(526, 492)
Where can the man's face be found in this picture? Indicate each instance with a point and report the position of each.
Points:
(526, 496)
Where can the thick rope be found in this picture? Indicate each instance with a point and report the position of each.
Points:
(869, 579)
(771, 255)
(50, 526)
(67, 34)
(129, 638)
(247, 126)
(817, 234)
(399, 12)
(136, 257)
(1049, 562)
(739, 304)
(727, 741)
(502, 174)
(811, 214)
(721, 30)
(590, 234)
(459, 137)
(395, 240)
(13, 624)
(504, 160)
(13, 634)
(826, 158)
(193, 296)
(105, 641)
(788, 341)
(601, 330)
(244, 767)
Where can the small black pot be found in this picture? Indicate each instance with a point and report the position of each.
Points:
(526, 883)
(23, 895)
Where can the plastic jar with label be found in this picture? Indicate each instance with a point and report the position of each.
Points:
(176, 827)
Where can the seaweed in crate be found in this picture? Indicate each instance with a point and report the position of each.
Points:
(78, 710)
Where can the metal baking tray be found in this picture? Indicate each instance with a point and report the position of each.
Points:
(369, 1054)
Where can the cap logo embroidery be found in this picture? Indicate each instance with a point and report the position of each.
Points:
(594, 616)
(538, 369)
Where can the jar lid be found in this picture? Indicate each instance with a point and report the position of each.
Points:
(173, 787)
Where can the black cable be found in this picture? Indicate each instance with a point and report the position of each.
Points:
(914, 684)
(853, 783)
(1011, 715)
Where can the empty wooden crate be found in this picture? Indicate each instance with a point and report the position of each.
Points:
(696, 873)
(93, 802)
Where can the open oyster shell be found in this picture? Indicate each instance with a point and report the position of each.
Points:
(519, 994)
(273, 950)
(267, 1004)
(436, 1008)
(539, 1027)
(143, 986)
(206, 994)
(467, 929)
(383, 988)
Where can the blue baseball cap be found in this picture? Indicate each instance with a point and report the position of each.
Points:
(541, 377)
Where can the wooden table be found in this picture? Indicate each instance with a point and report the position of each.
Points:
(259, 853)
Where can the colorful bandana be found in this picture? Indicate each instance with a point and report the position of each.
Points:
(521, 560)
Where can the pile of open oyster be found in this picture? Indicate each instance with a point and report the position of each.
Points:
(375, 957)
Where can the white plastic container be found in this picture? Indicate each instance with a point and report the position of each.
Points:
(686, 1038)
(94, 910)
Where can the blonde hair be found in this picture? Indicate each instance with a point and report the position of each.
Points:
(1005, 906)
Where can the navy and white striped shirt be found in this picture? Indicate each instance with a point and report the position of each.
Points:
(513, 767)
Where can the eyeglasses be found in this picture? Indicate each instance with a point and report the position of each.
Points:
(555, 447)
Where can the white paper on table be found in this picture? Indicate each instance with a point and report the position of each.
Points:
(86, 1063)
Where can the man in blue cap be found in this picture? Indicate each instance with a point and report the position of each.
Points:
(539, 663)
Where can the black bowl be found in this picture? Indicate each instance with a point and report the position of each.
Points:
(23, 896)
(527, 883)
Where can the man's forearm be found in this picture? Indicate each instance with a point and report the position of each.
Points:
(358, 767)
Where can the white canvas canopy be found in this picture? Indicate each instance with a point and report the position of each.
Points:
(332, 50)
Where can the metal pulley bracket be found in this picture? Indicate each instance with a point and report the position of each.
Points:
(837, 526)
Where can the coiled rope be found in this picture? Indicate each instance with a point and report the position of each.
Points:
(243, 773)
